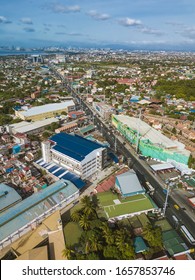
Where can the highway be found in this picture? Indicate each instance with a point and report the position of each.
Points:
(140, 166)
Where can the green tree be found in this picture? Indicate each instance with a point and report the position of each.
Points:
(107, 234)
(95, 243)
(76, 216)
(68, 253)
(46, 135)
(93, 256)
(153, 235)
(111, 252)
(84, 222)
(124, 243)
(87, 205)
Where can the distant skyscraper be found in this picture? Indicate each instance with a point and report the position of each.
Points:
(36, 58)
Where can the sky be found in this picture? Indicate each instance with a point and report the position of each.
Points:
(130, 23)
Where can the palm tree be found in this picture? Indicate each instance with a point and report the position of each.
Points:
(88, 207)
(120, 238)
(67, 253)
(107, 234)
(84, 222)
(76, 216)
(95, 243)
(124, 243)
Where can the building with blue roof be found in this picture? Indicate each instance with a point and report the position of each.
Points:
(134, 99)
(128, 184)
(30, 212)
(8, 197)
(76, 154)
(139, 245)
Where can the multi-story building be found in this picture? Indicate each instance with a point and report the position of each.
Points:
(104, 110)
(75, 153)
(150, 142)
(36, 58)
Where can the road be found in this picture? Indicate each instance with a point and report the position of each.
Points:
(143, 171)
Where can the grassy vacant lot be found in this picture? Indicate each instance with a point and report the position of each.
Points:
(128, 205)
(72, 233)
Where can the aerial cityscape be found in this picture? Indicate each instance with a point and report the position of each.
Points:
(97, 130)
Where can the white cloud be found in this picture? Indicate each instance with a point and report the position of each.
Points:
(4, 20)
(147, 30)
(129, 22)
(59, 8)
(26, 20)
(98, 16)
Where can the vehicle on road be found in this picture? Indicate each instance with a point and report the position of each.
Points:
(176, 206)
(187, 234)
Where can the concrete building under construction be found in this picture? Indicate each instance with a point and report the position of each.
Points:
(150, 142)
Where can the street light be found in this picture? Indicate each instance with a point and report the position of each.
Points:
(166, 199)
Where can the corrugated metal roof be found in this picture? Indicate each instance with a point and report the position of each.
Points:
(162, 166)
(74, 146)
(129, 182)
(139, 245)
(24, 127)
(8, 196)
(87, 128)
(47, 108)
(34, 206)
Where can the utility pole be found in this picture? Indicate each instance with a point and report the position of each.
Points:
(138, 131)
(128, 161)
(166, 199)
(115, 143)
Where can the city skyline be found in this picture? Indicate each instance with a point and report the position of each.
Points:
(141, 23)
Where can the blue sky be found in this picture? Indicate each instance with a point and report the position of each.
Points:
(98, 22)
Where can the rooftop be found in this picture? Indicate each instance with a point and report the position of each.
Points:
(87, 128)
(173, 242)
(8, 197)
(61, 173)
(37, 236)
(24, 127)
(129, 182)
(139, 244)
(40, 253)
(47, 108)
(162, 166)
(32, 207)
(74, 146)
(149, 133)
(112, 206)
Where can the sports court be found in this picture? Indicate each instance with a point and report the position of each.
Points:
(113, 206)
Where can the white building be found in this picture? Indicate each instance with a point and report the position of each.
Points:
(104, 110)
(75, 153)
(30, 127)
